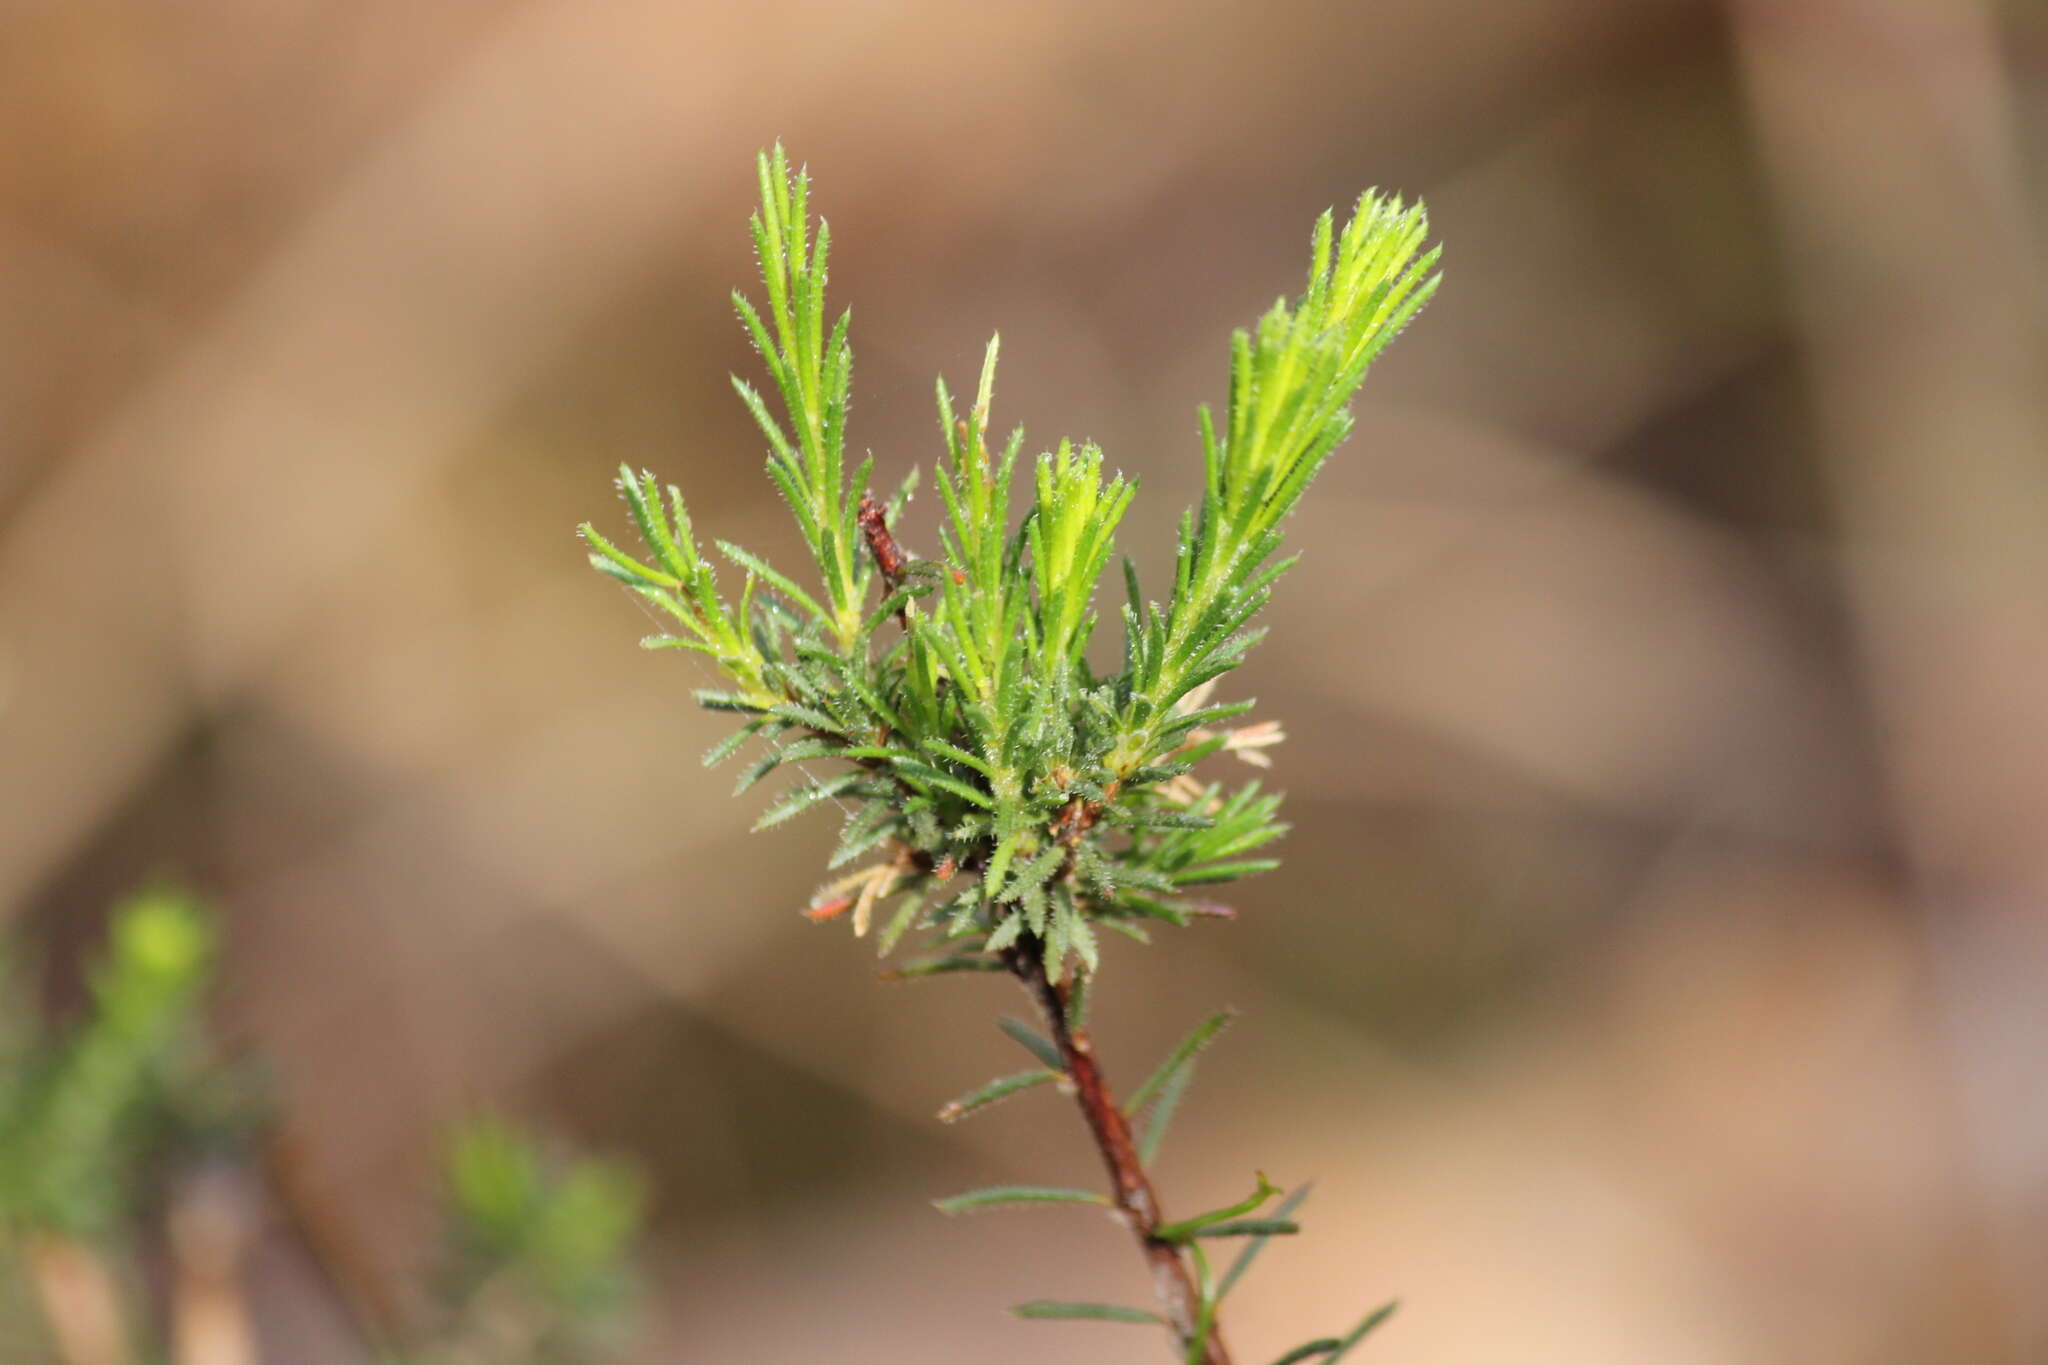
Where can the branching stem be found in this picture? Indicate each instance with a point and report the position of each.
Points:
(1172, 1280)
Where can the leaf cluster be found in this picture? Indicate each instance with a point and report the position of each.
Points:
(999, 784)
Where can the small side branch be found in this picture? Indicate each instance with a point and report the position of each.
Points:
(1172, 1281)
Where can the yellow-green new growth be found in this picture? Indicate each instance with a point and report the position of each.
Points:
(813, 370)
(1292, 378)
(1072, 532)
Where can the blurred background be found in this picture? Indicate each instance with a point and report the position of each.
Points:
(1659, 971)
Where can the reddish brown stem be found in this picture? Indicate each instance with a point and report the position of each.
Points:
(888, 555)
(1172, 1281)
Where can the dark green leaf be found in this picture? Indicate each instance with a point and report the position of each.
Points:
(1213, 873)
(1032, 1042)
(1095, 1312)
(868, 827)
(725, 701)
(1358, 1333)
(1156, 1122)
(1252, 1249)
(1192, 1227)
(1251, 1227)
(804, 797)
(725, 748)
(999, 1089)
(899, 924)
(1190, 1047)
(940, 966)
(995, 1196)
(1006, 933)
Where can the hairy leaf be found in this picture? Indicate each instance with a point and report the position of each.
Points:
(999, 1089)
(1163, 1107)
(1251, 1227)
(996, 1196)
(1182, 1055)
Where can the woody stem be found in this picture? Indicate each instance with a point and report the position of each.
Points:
(1172, 1281)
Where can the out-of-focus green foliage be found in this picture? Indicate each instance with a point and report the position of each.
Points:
(77, 1106)
(89, 1110)
(541, 1249)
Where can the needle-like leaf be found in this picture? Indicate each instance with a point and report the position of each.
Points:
(1029, 1039)
(998, 1196)
(1093, 1312)
(1359, 1333)
(1285, 1209)
(999, 1089)
(1182, 1056)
